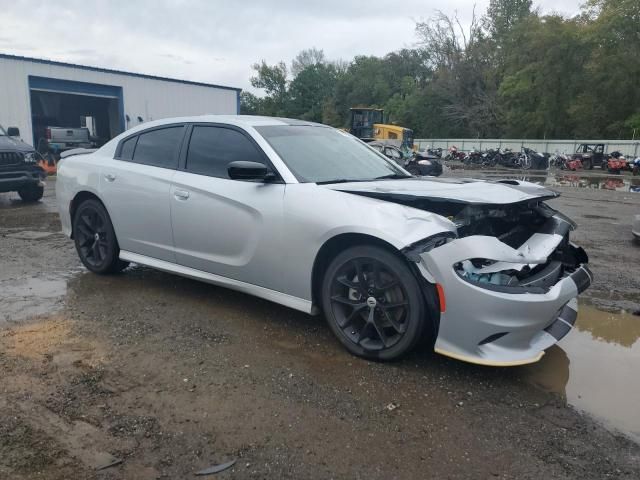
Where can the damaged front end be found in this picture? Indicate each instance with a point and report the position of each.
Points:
(510, 277)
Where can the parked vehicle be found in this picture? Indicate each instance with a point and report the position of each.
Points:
(368, 125)
(635, 227)
(59, 139)
(310, 217)
(435, 152)
(615, 163)
(424, 164)
(590, 155)
(454, 154)
(558, 160)
(529, 158)
(419, 163)
(475, 157)
(19, 171)
(572, 164)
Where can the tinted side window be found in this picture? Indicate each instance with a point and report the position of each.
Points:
(211, 149)
(128, 146)
(159, 147)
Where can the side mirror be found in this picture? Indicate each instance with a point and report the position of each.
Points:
(13, 131)
(242, 170)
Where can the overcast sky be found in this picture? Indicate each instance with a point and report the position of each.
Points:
(216, 41)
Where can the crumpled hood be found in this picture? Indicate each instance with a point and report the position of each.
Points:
(463, 190)
(10, 144)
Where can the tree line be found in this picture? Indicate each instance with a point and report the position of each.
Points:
(512, 73)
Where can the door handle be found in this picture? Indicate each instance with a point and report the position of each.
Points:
(181, 194)
(109, 177)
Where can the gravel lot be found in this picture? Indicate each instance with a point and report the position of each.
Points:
(163, 376)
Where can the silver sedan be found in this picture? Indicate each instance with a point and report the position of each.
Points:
(312, 218)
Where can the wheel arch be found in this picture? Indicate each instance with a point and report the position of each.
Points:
(332, 247)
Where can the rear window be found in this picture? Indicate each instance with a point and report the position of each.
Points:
(128, 146)
(159, 147)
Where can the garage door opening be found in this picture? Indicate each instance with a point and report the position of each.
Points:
(68, 104)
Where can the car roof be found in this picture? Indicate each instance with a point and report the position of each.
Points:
(239, 120)
(243, 121)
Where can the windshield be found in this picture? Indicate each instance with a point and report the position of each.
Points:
(326, 155)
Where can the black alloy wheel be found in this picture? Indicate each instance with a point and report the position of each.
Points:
(373, 303)
(95, 239)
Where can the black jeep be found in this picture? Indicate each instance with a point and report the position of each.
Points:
(19, 170)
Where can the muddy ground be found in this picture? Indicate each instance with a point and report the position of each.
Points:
(163, 376)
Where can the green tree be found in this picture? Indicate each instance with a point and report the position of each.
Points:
(273, 80)
(309, 90)
(250, 104)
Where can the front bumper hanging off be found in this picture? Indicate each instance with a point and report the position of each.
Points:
(504, 325)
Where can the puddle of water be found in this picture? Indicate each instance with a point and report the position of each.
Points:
(596, 368)
(29, 297)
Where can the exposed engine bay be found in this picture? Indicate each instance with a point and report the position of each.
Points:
(536, 231)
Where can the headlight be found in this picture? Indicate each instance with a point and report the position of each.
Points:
(30, 157)
(424, 162)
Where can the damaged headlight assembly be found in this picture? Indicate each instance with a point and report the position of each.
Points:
(473, 270)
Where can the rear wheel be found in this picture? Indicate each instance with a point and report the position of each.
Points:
(32, 193)
(587, 164)
(373, 303)
(95, 239)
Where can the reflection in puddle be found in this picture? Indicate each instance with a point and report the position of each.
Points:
(596, 368)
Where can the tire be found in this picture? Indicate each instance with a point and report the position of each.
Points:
(382, 321)
(587, 165)
(95, 239)
(32, 193)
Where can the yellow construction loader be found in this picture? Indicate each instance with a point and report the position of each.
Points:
(368, 125)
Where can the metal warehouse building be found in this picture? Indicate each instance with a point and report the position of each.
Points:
(35, 94)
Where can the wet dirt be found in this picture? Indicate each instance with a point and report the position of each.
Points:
(172, 376)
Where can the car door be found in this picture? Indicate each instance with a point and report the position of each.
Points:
(136, 185)
(226, 227)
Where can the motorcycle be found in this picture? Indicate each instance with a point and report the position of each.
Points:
(436, 152)
(558, 159)
(529, 158)
(454, 154)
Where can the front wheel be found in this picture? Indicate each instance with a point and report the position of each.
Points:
(32, 193)
(95, 239)
(373, 303)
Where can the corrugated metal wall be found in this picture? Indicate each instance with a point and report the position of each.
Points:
(627, 147)
(150, 99)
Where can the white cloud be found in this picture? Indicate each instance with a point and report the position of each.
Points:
(217, 41)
